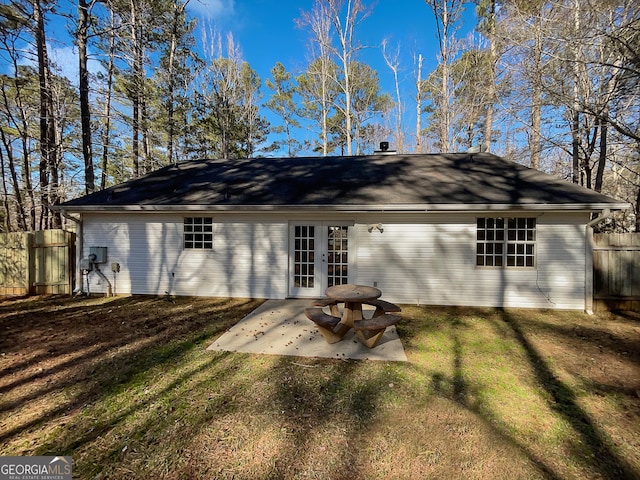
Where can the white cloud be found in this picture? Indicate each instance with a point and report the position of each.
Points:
(66, 63)
(211, 8)
(63, 62)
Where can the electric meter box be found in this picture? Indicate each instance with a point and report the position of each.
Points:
(100, 254)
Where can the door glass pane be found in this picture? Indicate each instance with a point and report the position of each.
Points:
(304, 267)
(337, 256)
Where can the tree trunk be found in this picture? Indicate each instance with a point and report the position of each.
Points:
(5, 197)
(445, 141)
(44, 147)
(325, 107)
(637, 210)
(146, 149)
(575, 146)
(393, 64)
(575, 120)
(535, 142)
(493, 58)
(22, 218)
(85, 111)
(30, 219)
(602, 155)
(106, 134)
(345, 41)
(419, 106)
(177, 13)
(48, 160)
(136, 85)
(447, 13)
(17, 189)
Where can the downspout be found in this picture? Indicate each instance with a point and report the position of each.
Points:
(588, 274)
(79, 249)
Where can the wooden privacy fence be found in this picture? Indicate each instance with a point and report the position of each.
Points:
(37, 262)
(616, 271)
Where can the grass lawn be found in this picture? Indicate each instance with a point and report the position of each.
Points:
(126, 387)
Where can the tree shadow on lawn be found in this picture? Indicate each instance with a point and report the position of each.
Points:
(302, 399)
(59, 326)
(91, 349)
(132, 385)
(425, 323)
(136, 375)
(560, 398)
(315, 402)
(563, 400)
(139, 420)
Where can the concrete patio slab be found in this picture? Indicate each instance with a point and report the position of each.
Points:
(279, 327)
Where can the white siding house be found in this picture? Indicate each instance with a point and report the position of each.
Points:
(279, 228)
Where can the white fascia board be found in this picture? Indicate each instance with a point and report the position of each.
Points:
(434, 208)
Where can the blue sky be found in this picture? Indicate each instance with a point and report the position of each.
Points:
(266, 32)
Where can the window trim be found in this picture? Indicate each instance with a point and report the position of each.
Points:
(507, 239)
(197, 226)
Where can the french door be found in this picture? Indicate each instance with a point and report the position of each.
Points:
(319, 257)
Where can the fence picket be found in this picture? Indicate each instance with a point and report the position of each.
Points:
(616, 271)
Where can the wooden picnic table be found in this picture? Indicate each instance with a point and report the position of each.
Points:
(334, 326)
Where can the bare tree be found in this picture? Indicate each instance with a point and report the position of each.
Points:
(344, 27)
(343, 16)
(419, 95)
(487, 12)
(320, 75)
(228, 101)
(108, 92)
(522, 29)
(393, 62)
(447, 14)
(17, 111)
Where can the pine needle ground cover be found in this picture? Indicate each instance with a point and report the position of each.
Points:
(126, 387)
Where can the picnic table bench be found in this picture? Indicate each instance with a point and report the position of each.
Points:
(329, 325)
(370, 330)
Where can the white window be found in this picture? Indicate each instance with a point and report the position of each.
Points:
(198, 232)
(506, 242)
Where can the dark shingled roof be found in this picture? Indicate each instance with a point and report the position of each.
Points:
(393, 182)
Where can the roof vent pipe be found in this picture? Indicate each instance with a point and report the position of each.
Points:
(477, 149)
(384, 149)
